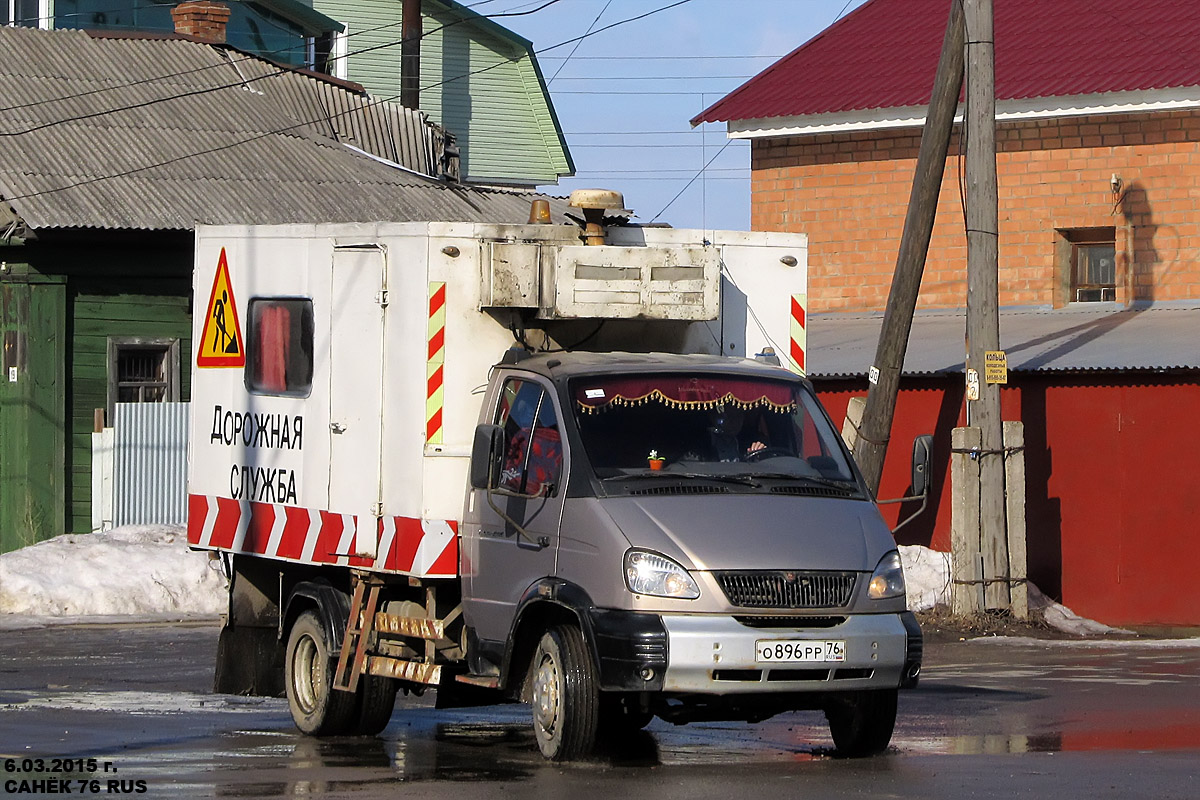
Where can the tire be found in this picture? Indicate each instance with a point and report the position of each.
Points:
(376, 698)
(565, 700)
(862, 725)
(317, 709)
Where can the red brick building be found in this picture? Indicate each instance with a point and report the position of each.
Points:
(1098, 160)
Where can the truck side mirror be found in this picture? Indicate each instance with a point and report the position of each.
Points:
(487, 456)
(922, 456)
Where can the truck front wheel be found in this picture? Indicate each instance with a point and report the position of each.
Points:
(862, 722)
(317, 709)
(564, 695)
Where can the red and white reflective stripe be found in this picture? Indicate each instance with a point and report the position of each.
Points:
(425, 548)
(799, 332)
(435, 363)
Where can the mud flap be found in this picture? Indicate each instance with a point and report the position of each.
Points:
(249, 651)
(249, 662)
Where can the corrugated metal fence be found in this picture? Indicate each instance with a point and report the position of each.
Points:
(150, 463)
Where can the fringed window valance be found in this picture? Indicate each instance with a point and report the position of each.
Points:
(683, 393)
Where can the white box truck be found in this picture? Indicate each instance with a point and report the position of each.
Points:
(507, 465)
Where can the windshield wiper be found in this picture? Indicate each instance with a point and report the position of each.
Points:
(738, 479)
(818, 479)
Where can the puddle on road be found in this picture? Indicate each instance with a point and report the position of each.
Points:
(138, 703)
(979, 745)
(425, 748)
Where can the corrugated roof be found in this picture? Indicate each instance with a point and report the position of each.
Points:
(164, 133)
(1156, 338)
(884, 55)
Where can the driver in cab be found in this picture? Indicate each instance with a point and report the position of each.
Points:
(725, 431)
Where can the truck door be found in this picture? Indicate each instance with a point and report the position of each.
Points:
(356, 389)
(517, 542)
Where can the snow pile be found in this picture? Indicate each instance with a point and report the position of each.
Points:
(138, 570)
(148, 572)
(927, 578)
(1061, 618)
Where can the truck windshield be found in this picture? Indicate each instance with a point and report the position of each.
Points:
(700, 426)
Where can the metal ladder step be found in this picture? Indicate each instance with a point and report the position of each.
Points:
(483, 681)
(414, 671)
(415, 627)
(353, 655)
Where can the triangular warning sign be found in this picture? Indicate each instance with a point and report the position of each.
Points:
(221, 344)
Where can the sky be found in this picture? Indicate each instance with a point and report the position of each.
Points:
(624, 96)
(147, 572)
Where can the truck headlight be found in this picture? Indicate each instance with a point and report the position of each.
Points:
(659, 576)
(888, 578)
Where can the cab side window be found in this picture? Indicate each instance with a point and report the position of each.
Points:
(533, 460)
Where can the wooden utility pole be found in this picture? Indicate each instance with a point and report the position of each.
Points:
(875, 430)
(983, 314)
(410, 53)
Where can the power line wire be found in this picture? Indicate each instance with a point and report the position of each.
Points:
(252, 57)
(577, 44)
(54, 18)
(658, 58)
(695, 145)
(693, 132)
(641, 93)
(689, 183)
(664, 178)
(659, 171)
(614, 25)
(323, 118)
(656, 77)
(498, 64)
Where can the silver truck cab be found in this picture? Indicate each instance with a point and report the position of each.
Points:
(680, 536)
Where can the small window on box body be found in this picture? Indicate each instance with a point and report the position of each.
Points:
(279, 353)
(1093, 265)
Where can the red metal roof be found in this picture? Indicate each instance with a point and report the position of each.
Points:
(884, 55)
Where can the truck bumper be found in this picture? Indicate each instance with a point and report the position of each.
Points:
(716, 655)
(631, 650)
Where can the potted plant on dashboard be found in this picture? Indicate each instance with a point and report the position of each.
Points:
(655, 460)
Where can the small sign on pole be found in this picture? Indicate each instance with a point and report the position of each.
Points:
(995, 366)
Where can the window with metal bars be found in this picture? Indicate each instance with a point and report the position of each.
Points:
(141, 375)
(1091, 269)
(142, 370)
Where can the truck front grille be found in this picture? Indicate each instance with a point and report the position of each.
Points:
(787, 589)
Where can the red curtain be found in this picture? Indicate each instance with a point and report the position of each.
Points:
(275, 328)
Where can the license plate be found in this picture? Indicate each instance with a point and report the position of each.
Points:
(777, 650)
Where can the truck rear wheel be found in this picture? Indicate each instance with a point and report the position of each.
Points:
(376, 700)
(317, 708)
(862, 723)
(564, 696)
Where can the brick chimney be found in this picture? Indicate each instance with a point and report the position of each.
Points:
(202, 19)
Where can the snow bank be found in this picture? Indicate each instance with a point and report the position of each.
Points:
(927, 577)
(138, 570)
(148, 572)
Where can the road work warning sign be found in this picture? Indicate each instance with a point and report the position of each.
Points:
(221, 344)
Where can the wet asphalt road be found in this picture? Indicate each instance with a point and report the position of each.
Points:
(992, 718)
